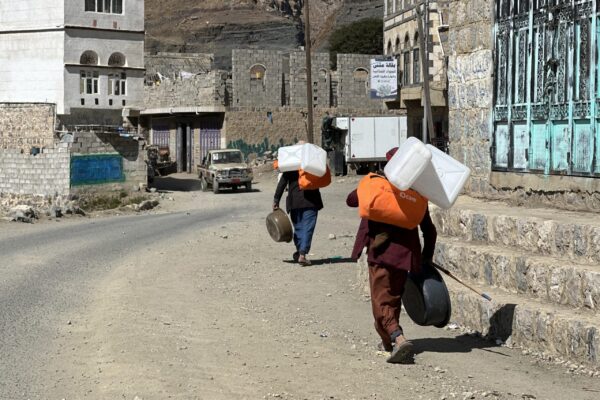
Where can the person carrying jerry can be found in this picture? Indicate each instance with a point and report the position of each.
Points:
(389, 231)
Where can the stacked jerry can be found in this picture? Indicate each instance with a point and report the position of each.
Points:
(427, 170)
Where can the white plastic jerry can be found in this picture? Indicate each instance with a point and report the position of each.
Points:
(314, 160)
(405, 167)
(290, 158)
(443, 178)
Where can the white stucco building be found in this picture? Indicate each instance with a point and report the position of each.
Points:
(86, 56)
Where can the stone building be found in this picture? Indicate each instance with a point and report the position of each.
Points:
(401, 40)
(71, 71)
(526, 121)
(523, 115)
(258, 107)
(84, 56)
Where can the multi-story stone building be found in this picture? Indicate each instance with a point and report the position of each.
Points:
(401, 40)
(85, 56)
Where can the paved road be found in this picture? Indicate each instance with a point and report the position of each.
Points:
(195, 302)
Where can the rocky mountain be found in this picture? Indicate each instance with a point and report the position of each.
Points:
(217, 26)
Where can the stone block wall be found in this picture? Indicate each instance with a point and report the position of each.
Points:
(23, 126)
(200, 90)
(134, 166)
(44, 174)
(352, 92)
(470, 88)
(248, 93)
(320, 77)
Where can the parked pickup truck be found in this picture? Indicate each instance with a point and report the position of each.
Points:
(224, 168)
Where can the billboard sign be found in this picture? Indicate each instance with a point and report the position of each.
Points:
(384, 79)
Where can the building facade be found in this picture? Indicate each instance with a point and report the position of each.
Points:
(523, 99)
(85, 56)
(402, 41)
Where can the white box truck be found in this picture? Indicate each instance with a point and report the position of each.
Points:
(367, 139)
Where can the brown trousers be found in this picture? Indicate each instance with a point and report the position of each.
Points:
(387, 287)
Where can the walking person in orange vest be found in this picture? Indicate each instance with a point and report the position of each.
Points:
(392, 252)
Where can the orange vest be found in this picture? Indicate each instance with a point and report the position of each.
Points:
(308, 181)
(379, 200)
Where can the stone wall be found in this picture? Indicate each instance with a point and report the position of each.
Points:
(23, 126)
(44, 174)
(470, 88)
(352, 91)
(207, 89)
(320, 76)
(251, 92)
(96, 143)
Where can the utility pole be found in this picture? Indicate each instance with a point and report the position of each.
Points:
(309, 89)
(424, 52)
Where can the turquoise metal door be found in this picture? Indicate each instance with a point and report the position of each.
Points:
(546, 102)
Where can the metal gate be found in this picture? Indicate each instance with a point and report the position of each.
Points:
(160, 135)
(547, 91)
(209, 135)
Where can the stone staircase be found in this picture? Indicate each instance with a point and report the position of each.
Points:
(540, 266)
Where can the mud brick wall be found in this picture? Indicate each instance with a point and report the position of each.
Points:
(320, 77)
(44, 174)
(134, 166)
(470, 88)
(23, 126)
(247, 93)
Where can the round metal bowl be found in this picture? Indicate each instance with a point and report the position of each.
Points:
(279, 226)
(426, 298)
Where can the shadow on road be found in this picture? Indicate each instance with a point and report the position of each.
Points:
(459, 344)
(325, 261)
(176, 183)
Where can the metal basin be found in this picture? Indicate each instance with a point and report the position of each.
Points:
(426, 298)
(279, 226)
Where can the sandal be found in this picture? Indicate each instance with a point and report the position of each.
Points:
(402, 351)
(302, 260)
(295, 256)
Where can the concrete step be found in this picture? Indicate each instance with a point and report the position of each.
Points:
(546, 278)
(562, 234)
(531, 324)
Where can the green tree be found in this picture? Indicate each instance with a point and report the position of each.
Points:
(361, 37)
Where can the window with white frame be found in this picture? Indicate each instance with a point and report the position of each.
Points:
(104, 6)
(88, 83)
(117, 84)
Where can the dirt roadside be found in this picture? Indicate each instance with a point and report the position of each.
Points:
(223, 314)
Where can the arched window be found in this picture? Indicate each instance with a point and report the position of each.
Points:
(416, 63)
(361, 77)
(88, 57)
(389, 48)
(397, 49)
(406, 62)
(257, 77)
(116, 60)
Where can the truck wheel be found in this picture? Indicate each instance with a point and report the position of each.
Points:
(234, 188)
(248, 186)
(203, 184)
(215, 186)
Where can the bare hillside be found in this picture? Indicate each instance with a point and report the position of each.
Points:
(217, 26)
